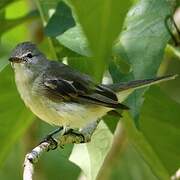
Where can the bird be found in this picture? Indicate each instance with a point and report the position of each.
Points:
(63, 96)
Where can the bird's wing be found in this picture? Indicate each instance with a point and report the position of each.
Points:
(77, 87)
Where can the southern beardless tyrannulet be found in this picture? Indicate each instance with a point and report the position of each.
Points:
(62, 96)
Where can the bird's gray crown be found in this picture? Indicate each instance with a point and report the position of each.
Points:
(24, 48)
(27, 53)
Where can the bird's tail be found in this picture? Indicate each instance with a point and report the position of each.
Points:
(136, 84)
(124, 89)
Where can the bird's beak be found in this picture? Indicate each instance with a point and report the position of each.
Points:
(15, 59)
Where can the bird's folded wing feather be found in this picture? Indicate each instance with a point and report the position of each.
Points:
(60, 89)
(79, 88)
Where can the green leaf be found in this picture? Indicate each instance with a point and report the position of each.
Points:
(122, 65)
(131, 166)
(101, 22)
(3, 4)
(142, 146)
(82, 64)
(14, 117)
(159, 122)
(89, 157)
(75, 40)
(8, 24)
(172, 51)
(3, 62)
(146, 36)
(64, 52)
(46, 8)
(143, 42)
(60, 21)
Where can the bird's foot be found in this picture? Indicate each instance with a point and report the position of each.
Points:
(49, 138)
(76, 133)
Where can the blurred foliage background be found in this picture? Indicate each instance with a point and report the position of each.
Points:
(111, 40)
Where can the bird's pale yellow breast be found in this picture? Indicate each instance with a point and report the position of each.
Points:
(70, 114)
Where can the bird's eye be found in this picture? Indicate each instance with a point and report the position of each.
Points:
(29, 55)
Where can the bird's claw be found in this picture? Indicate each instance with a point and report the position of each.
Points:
(53, 143)
(49, 138)
(76, 133)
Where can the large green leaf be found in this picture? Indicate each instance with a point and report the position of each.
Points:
(146, 36)
(143, 42)
(146, 151)
(82, 64)
(90, 156)
(60, 21)
(161, 154)
(14, 117)
(130, 166)
(159, 122)
(75, 40)
(142, 45)
(101, 22)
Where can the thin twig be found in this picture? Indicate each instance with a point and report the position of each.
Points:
(32, 157)
(74, 137)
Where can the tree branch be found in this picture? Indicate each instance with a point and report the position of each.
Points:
(73, 137)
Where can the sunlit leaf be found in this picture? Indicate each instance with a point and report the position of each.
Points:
(5, 3)
(143, 42)
(89, 157)
(101, 22)
(75, 40)
(7, 24)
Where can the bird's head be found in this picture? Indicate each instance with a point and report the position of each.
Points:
(26, 54)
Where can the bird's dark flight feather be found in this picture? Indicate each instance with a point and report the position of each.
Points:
(69, 85)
